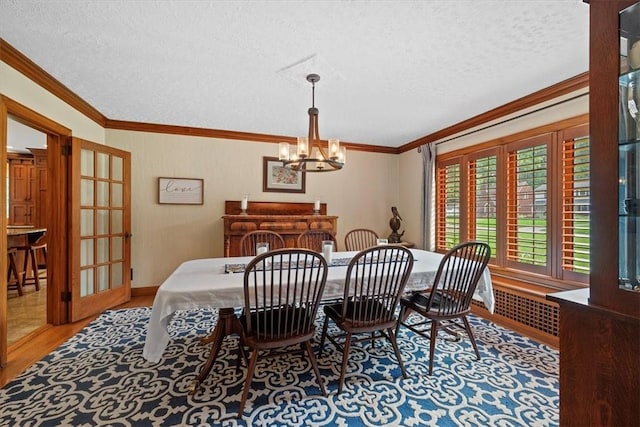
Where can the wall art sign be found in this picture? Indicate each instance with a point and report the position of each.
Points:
(180, 191)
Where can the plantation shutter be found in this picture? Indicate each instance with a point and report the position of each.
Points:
(527, 204)
(575, 205)
(448, 206)
(482, 200)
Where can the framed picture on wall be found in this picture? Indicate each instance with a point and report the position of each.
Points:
(277, 178)
(180, 191)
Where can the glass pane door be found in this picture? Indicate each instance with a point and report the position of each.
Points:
(103, 224)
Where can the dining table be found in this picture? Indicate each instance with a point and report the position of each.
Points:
(218, 283)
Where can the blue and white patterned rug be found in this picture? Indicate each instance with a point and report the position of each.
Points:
(99, 377)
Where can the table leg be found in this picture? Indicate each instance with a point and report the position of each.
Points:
(228, 324)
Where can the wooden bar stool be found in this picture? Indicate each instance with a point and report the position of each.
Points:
(31, 262)
(14, 277)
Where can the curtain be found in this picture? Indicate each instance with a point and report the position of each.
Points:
(428, 214)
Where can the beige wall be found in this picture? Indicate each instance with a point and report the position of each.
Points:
(166, 235)
(19, 88)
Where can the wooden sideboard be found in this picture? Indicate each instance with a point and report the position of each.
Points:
(287, 219)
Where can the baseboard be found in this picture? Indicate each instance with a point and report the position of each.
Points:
(145, 291)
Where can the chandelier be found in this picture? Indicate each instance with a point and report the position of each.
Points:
(309, 155)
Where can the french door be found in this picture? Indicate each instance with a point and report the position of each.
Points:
(100, 244)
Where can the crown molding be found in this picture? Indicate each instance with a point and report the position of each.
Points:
(15, 59)
(565, 87)
(228, 134)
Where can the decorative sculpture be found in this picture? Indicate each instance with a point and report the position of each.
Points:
(395, 223)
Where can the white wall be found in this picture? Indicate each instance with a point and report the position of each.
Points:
(164, 236)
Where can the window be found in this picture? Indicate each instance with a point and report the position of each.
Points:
(527, 198)
(448, 216)
(575, 206)
(482, 200)
(526, 217)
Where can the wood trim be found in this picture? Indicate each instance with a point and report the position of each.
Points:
(32, 118)
(565, 87)
(3, 241)
(57, 135)
(230, 134)
(15, 59)
(526, 134)
(145, 291)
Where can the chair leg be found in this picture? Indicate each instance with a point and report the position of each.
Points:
(34, 269)
(345, 358)
(314, 364)
(401, 318)
(323, 336)
(471, 337)
(247, 382)
(432, 344)
(394, 343)
(13, 269)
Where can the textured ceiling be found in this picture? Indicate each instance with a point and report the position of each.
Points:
(391, 71)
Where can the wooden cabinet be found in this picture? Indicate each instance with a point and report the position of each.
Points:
(600, 326)
(40, 196)
(22, 190)
(287, 219)
(28, 188)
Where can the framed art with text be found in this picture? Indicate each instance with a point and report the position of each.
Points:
(180, 191)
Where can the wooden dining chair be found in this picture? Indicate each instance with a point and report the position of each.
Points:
(360, 239)
(249, 240)
(312, 239)
(282, 291)
(373, 285)
(448, 300)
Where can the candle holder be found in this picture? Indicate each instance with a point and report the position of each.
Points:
(243, 212)
(316, 211)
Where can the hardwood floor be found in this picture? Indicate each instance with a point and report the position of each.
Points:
(43, 341)
(26, 313)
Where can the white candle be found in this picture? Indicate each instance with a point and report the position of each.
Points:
(327, 250)
(316, 205)
(244, 203)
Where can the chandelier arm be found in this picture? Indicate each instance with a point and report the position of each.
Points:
(317, 141)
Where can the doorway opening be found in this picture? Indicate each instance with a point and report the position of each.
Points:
(26, 210)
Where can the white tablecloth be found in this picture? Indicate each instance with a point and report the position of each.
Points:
(203, 283)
